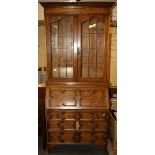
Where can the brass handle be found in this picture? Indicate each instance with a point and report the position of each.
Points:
(103, 115)
(78, 51)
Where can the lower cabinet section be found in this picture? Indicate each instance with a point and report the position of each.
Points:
(77, 126)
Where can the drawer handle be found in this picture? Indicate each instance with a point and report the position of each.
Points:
(78, 51)
(103, 115)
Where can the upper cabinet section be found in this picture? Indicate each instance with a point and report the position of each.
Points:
(77, 41)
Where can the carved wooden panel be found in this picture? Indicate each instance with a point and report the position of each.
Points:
(69, 97)
(93, 97)
(62, 97)
(55, 98)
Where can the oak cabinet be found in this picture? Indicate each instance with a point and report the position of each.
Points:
(77, 101)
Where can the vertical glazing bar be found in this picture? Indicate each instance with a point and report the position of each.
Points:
(89, 49)
(58, 47)
(66, 46)
(96, 48)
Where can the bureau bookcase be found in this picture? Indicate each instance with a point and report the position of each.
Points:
(77, 100)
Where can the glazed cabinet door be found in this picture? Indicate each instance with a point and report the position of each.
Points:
(92, 47)
(61, 47)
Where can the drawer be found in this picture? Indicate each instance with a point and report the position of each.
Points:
(77, 114)
(86, 137)
(100, 126)
(100, 115)
(61, 114)
(101, 137)
(86, 115)
(61, 137)
(52, 114)
(85, 125)
(93, 125)
(61, 125)
(94, 115)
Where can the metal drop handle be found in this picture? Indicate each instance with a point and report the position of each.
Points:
(78, 51)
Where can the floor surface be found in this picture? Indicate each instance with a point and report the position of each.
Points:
(71, 150)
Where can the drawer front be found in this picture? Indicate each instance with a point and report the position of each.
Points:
(93, 125)
(61, 125)
(85, 125)
(61, 114)
(88, 115)
(100, 126)
(77, 114)
(100, 115)
(73, 137)
(52, 114)
(61, 137)
(94, 115)
(101, 137)
(93, 97)
(86, 137)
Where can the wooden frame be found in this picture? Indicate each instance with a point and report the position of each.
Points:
(81, 96)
